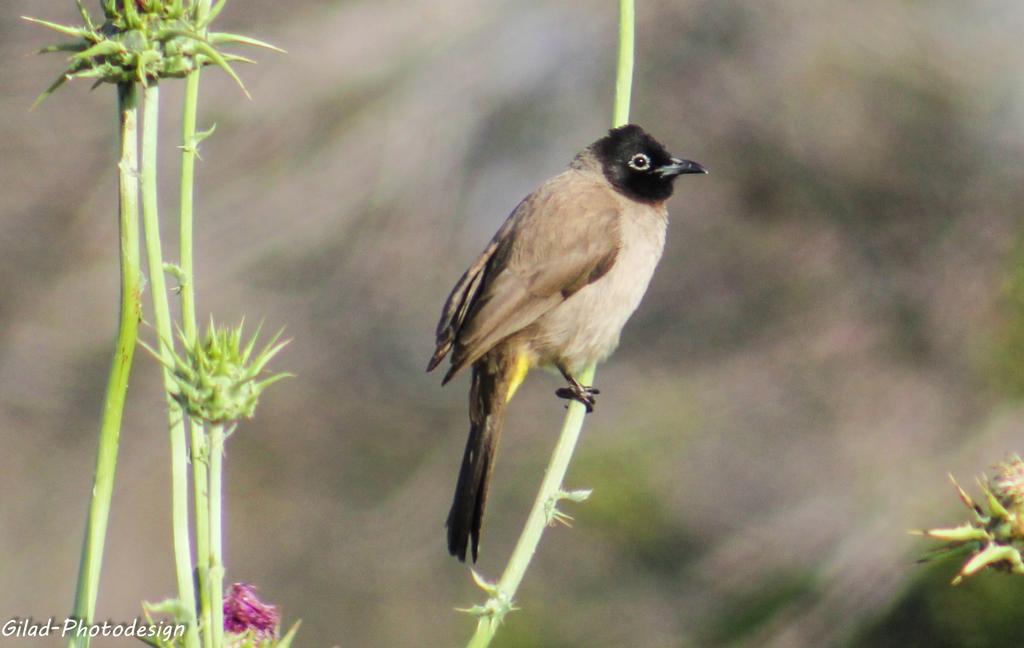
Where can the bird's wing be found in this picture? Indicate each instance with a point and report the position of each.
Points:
(464, 294)
(558, 240)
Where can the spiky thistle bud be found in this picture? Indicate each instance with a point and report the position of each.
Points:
(142, 41)
(994, 537)
(217, 378)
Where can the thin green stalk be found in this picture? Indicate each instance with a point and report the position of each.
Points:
(124, 351)
(216, 590)
(161, 313)
(197, 435)
(624, 70)
(544, 511)
(540, 517)
(550, 488)
(188, 163)
(201, 495)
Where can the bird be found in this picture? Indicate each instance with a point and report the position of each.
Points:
(553, 289)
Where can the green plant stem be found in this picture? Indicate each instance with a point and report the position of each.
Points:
(548, 494)
(216, 590)
(624, 69)
(551, 487)
(197, 435)
(124, 350)
(538, 520)
(188, 163)
(201, 494)
(161, 313)
(199, 445)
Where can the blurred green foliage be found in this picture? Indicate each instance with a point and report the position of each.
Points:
(744, 615)
(1006, 356)
(630, 513)
(981, 612)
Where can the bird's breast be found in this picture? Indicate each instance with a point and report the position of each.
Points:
(585, 328)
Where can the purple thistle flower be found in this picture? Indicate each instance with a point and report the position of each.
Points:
(244, 612)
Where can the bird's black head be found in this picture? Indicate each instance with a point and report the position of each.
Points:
(638, 165)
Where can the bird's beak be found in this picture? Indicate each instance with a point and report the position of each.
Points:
(679, 167)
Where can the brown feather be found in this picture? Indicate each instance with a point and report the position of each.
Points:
(543, 254)
(462, 297)
(487, 398)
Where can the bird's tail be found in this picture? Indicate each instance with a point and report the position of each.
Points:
(494, 380)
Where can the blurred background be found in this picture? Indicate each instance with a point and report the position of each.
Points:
(838, 321)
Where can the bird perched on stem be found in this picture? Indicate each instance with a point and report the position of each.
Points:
(553, 289)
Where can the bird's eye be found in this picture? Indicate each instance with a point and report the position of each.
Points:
(640, 162)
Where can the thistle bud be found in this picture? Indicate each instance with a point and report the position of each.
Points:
(994, 536)
(217, 379)
(143, 41)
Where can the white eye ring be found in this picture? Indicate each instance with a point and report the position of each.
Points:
(640, 162)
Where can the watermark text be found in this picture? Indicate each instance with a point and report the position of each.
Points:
(22, 627)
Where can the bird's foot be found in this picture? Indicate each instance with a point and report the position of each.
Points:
(578, 392)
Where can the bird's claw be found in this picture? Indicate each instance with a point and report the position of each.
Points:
(578, 392)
